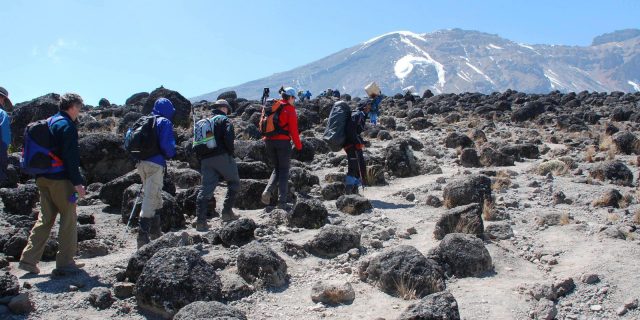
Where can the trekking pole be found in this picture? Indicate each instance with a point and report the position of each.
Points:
(133, 210)
(359, 168)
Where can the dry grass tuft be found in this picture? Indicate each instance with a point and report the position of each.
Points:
(636, 217)
(626, 201)
(489, 210)
(591, 152)
(501, 184)
(613, 217)
(565, 219)
(555, 167)
(406, 290)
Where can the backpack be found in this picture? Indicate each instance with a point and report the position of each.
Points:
(37, 153)
(270, 120)
(335, 132)
(204, 140)
(141, 140)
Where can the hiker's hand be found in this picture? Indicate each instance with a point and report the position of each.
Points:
(80, 190)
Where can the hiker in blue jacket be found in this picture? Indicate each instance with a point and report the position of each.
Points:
(375, 108)
(354, 145)
(151, 171)
(5, 133)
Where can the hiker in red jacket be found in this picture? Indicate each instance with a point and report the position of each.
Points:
(278, 135)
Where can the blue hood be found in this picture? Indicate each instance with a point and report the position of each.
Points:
(163, 107)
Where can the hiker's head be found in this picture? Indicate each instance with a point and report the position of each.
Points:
(4, 97)
(163, 107)
(222, 105)
(365, 106)
(289, 95)
(71, 103)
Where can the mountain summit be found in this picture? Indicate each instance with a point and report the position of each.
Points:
(458, 60)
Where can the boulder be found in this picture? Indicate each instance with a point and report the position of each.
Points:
(180, 103)
(27, 112)
(170, 217)
(463, 219)
(499, 231)
(257, 261)
(529, 111)
(302, 180)
(399, 159)
(251, 151)
(308, 214)
(332, 292)
(306, 154)
(209, 310)
(519, 151)
(490, 157)
(20, 200)
(184, 178)
(9, 285)
(436, 306)
(420, 124)
(332, 191)
(249, 195)
(100, 298)
(92, 248)
(403, 271)
(458, 140)
(21, 304)
(16, 243)
(463, 255)
(469, 158)
(254, 170)
(353, 204)
(137, 99)
(103, 158)
(111, 192)
(238, 232)
(234, 287)
(467, 190)
(614, 171)
(332, 241)
(86, 232)
(186, 202)
(626, 142)
(139, 258)
(174, 278)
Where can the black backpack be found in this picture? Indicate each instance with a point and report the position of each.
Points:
(141, 140)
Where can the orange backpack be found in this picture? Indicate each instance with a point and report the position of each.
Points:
(270, 120)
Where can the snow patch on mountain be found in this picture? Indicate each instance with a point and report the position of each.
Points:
(493, 46)
(480, 72)
(439, 67)
(634, 85)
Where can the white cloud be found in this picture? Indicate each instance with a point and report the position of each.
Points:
(56, 49)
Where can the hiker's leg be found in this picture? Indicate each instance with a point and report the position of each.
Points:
(209, 182)
(68, 232)
(284, 161)
(40, 232)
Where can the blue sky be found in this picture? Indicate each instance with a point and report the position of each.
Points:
(115, 48)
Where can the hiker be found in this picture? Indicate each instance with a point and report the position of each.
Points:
(5, 133)
(218, 163)
(151, 171)
(375, 108)
(278, 135)
(306, 95)
(336, 93)
(59, 189)
(354, 144)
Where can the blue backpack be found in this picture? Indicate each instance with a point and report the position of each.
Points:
(37, 154)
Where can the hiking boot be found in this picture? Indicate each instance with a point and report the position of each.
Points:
(28, 267)
(73, 267)
(155, 231)
(266, 198)
(228, 215)
(143, 231)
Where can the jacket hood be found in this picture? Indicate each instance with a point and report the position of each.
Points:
(163, 107)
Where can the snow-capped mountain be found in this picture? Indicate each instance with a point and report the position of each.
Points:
(464, 61)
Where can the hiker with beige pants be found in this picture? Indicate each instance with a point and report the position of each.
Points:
(60, 187)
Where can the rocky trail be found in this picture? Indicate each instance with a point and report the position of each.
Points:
(501, 206)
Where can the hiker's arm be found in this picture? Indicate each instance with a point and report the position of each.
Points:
(293, 129)
(6, 130)
(229, 137)
(71, 155)
(166, 138)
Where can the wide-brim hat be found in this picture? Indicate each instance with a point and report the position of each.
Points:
(5, 94)
(222, 103)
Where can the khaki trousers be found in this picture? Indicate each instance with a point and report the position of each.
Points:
(54, 200)
(152, 176)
